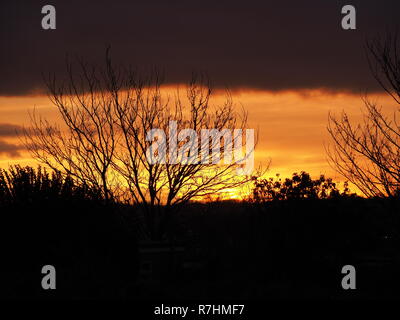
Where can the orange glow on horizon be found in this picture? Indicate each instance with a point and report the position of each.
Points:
(291, 124)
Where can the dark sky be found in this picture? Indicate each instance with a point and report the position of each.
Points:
(271, 45)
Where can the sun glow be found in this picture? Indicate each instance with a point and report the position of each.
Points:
(291, 127)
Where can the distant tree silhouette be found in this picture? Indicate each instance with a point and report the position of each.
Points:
(300, 186)
(108, 113)
(368, 154)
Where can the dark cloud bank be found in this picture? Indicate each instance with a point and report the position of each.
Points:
(9, 130)
(9, 149)
(6, 148)
(270, 45)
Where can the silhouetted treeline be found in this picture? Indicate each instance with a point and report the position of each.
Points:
(291, 248)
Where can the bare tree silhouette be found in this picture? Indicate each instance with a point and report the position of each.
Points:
(109, 112)
(85, 147)
(368, 154)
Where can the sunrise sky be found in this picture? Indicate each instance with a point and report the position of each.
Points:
(287, 63)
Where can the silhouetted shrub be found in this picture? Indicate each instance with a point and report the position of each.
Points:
(25, 185)
(300, 186)
(46, 218)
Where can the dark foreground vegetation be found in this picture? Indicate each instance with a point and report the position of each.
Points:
(281, 248)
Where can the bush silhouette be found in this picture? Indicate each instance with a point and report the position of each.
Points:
(300, 186)
(47, 218)
(20, 185)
